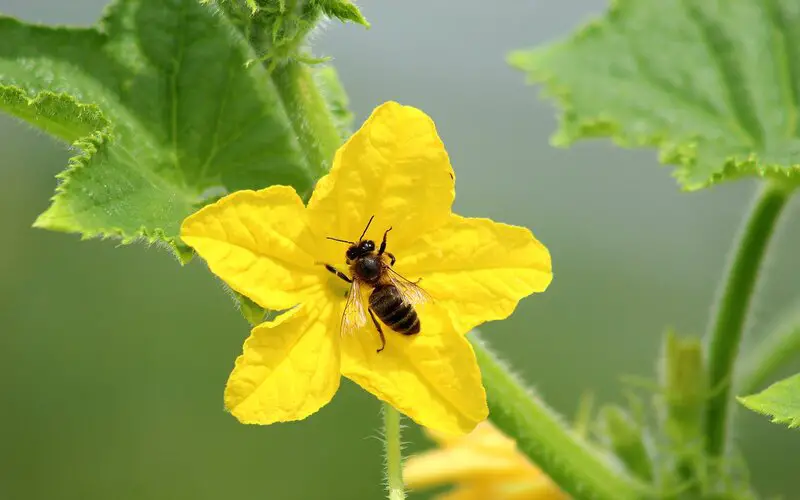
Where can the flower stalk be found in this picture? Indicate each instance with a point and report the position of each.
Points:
(727, 326)
(547, 440)
(394, 453)
(311, 119)
(277, 31)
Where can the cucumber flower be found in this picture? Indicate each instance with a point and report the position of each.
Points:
(484, 464)
(271, 247)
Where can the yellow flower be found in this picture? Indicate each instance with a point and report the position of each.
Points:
(271, 248)
(485, 465)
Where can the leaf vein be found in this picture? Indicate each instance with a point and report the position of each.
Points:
(214, 150)
(720, 51)
(175, 99)
(787, 60)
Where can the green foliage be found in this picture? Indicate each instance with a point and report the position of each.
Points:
(558, 451)
(59, 115)
(781, 401)
(252, 312)
(625, 437)
(278, 28)
(683, 382)
(343, 10)
(327, 79)
(728, 324)
(166, 114)
(715, 85)
(683, 394)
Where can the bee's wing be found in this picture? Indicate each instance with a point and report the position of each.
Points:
(409, 289)
(354, 315)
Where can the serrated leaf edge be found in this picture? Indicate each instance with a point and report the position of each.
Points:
(747, 402)
(87, 147)
(343, 10)
(572, 128)
(41, 97)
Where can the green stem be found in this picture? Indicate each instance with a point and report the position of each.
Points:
(727, 327)
(309, 114)
(394, 453)
(547, 440)
(306, 108)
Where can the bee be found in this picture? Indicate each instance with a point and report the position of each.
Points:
(393, 297)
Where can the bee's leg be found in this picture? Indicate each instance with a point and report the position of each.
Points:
(383, 243)
(380, 330)
(338, 273)
(391, 262)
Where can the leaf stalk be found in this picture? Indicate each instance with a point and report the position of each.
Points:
(547, 440)
(727, 326)
(311, 119)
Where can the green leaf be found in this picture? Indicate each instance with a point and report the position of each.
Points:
(342, 10)
(252, 312)
(327, 79)
(781, 401)
(57, 114)
(626, 438)
(278, 28)
(714, 84)
(170, 116)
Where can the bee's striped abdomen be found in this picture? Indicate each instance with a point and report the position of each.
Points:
(395, 312)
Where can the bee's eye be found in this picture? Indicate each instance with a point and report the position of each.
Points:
(369, 245)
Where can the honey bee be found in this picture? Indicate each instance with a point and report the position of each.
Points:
(393, 297)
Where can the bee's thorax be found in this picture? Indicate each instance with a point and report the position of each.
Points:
(368, 268)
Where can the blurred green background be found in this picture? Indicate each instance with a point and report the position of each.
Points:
(113, 359)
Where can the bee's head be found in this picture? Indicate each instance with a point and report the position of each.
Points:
(360, 249)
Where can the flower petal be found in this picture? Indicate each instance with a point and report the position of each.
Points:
(477, 269)
(432, 377)
(447, 466)
(485, 464)
(289, 368)
(541, 488)
(483, 454)
(470, 492)
(394, 167)
(260, 243)
(485, 436)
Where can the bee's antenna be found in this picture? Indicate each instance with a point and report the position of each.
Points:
(341, 241)
(365, 229)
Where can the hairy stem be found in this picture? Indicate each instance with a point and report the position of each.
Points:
(727, 326)
(394, 453)
(547, 440)
(311, 119)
